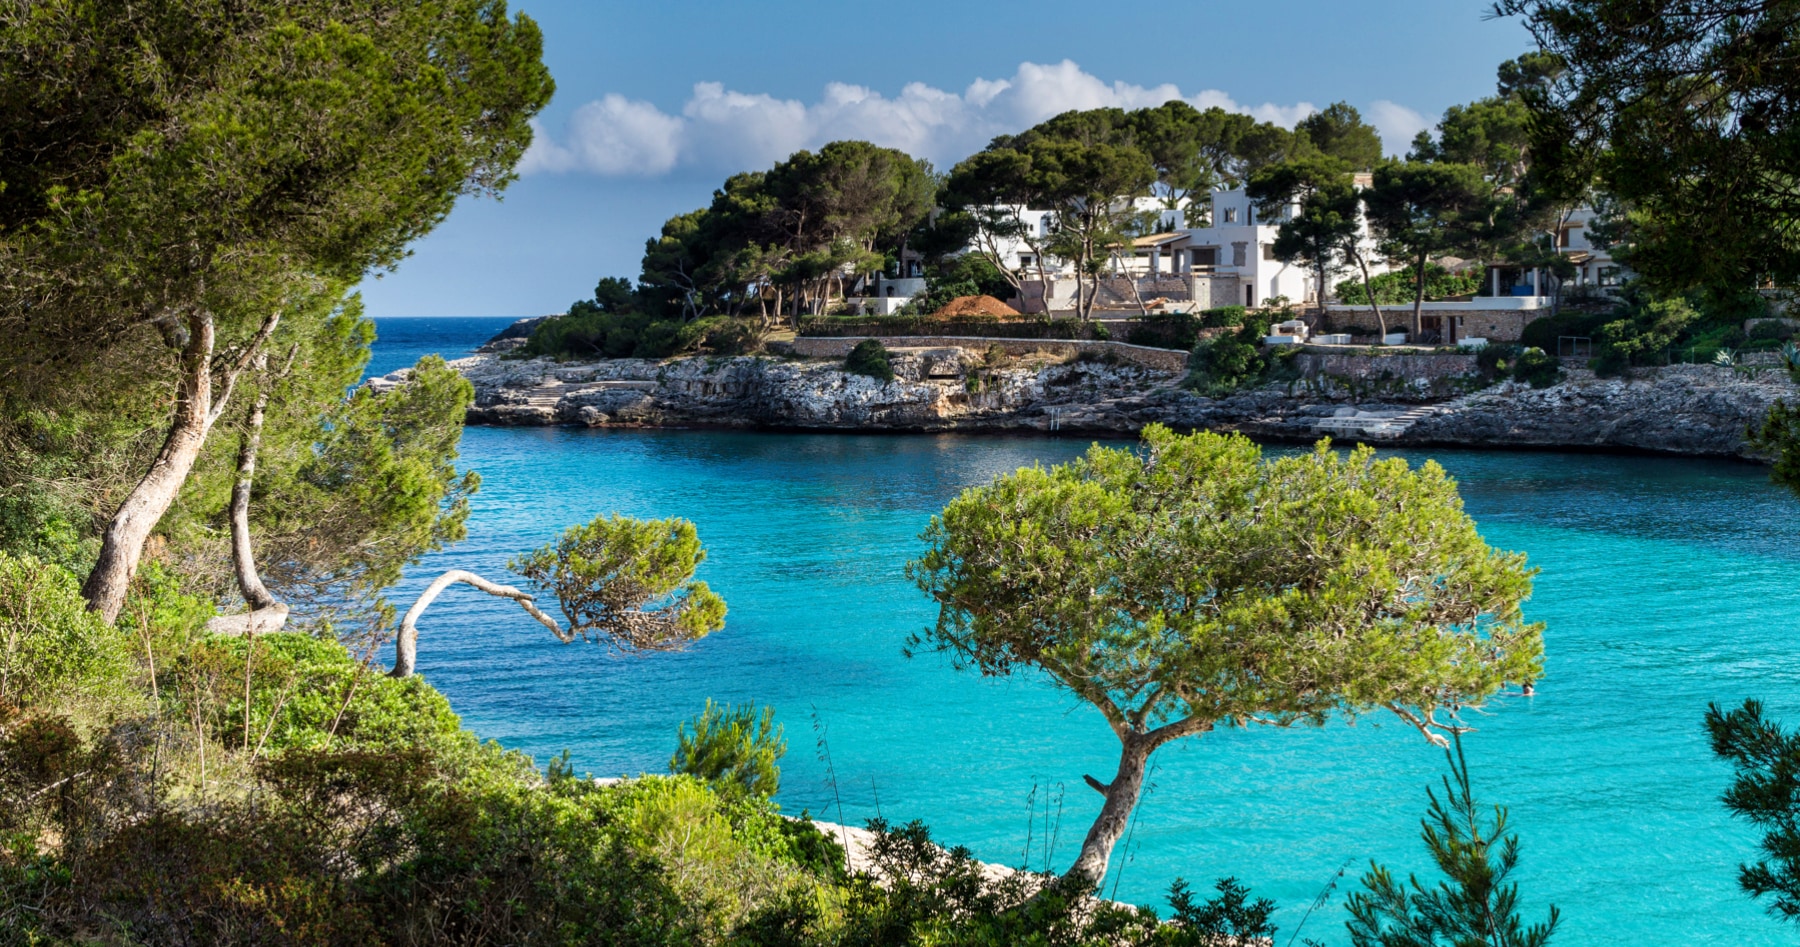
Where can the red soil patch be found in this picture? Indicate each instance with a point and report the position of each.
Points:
(977, 306)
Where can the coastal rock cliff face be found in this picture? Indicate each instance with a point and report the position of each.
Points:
(934, 390)
(1691, 410)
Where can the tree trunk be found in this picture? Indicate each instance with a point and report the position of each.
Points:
(1115, 814)
(1369, 287)
(122, 545)
(406, 644)
(1418, 319)
(243, 555)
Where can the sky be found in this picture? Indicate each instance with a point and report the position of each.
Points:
(657, 102)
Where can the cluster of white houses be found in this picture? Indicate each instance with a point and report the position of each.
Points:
(1231, 261)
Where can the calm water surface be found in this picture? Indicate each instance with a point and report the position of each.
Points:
(1666, 584)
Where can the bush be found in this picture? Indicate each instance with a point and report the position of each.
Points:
(1230, 362)
(736, 749)
(1172, 330)
(590, 331)
(1225, 317)
(1537, 368)
(1544, 333)
(49, 642)
(870, 358)
(1400, 286)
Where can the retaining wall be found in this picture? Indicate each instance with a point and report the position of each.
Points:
(1495, 325)
(1162, 360)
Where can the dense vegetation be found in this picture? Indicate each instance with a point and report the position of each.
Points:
(180, 438)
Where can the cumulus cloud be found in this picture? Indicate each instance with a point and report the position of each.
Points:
(720, 129)
(1397, 124)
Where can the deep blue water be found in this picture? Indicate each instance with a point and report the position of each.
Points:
(401, 342)
(1666, 584)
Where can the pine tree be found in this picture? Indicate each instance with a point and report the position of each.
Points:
(1475, 906)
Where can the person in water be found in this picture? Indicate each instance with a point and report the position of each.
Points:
(1528, 689)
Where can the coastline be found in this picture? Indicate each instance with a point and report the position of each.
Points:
(1680, 411)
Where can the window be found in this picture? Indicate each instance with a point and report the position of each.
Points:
(1206, 256)
(1231, 215)
(1609, 276)
(1025, 259)
(1268, 251)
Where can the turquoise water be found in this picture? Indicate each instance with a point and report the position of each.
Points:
(1666, 584)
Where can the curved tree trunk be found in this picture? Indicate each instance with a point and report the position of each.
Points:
(196, 410)
(243, 555)
(1115, 814)
(1369, 287)
(406, 644)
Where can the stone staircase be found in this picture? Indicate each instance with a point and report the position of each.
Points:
(1378, 425)
(551, 392)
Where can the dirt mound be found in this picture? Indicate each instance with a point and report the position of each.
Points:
(976, 306)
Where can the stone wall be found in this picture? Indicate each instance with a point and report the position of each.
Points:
(1162, 360)
(1405, 376)
(1495, 325)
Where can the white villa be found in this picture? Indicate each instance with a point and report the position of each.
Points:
(1231, 261)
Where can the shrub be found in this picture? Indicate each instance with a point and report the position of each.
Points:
(49, 642)
(1225, 317)
(1172, 330)
(1537, 368)
(736, 749)
(1225, 364)
(1544, 333)
(1400, 286)
(870, 358)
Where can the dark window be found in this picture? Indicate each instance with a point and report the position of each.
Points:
(1268, 251)
(1609, 276)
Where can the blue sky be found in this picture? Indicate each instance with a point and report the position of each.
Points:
(657, 102)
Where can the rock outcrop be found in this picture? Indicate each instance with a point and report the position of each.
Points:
(1688, 410)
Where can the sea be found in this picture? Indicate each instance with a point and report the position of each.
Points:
(1666, 585)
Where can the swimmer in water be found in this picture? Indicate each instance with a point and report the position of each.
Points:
(1528, 689)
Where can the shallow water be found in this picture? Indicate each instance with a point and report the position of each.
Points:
(1666, 584)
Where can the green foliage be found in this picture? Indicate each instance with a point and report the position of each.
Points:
(736, 749)
(1194, 584)
(1166, 330)
(1475, 905)
(49, 642)
(1536, 368)
(1546, 332)
(1324, 233)
(1764, 791)
(266, 148)
(870, 358)
(628, 583)
(1044, 568)
(1225, 317)
(915, 892)
(1778, 438)
(591, 331)
(1232, 361)
(1338, 132)
(1399, 286)
(1644, 330)
(1684, 108)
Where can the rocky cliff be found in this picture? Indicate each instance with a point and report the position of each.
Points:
(1690, 410)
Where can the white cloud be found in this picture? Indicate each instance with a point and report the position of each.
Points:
(613, 136)
(1397, 124)
(720, 129)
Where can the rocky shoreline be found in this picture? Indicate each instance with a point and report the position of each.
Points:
(1680, 410)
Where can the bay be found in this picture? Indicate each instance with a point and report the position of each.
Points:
(1666, 584)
